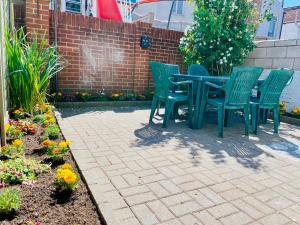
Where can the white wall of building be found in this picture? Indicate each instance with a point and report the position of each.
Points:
(263, 28)
(290, 31)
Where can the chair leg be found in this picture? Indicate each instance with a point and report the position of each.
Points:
(175, 111)
(153, 108)
(246, 117)
(158, 107)
(221, 113)
(254, 117)
(276, 119)
(168, 112)
(228, 117)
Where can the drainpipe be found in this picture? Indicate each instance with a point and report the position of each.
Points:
(170, 14)
(282, 20)
(55, 38)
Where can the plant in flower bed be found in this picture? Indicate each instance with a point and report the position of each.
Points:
(83, 96)
(9, 200)
(66, 178)
(18, 114)
(30, 65)
(56, 152)
(57, 96)
(31, 221)
(18, 170)
(16, 149)
(17, 129)
(52, 131)
(296, 112)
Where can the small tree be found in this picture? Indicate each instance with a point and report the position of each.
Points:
(222, 35)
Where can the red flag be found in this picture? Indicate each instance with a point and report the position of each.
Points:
(108, 9)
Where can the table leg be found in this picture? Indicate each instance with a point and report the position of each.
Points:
(197, 105)
(202, 104)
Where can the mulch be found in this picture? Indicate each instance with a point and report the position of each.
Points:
(41, 201)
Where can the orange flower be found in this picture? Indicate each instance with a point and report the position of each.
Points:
(56, 151)
(46, 142)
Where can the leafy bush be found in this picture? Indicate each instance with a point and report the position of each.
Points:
(66, 178)
(52, 131)
(18, 170)
(222, 35)
(10, 200)
(39, 118)
(31, 65)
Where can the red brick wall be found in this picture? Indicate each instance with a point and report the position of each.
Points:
(103, 54)
(37, 17)
(290, 15)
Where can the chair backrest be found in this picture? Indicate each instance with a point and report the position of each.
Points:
(273, 86)
(238, 88)
(171, 69)
(161, 80)
(197, 70)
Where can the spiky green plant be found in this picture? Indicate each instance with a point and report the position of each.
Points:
(31, 65)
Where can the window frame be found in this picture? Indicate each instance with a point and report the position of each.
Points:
(74, 2)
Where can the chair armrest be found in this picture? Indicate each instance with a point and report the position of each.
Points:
(179, 82)
(214, 85)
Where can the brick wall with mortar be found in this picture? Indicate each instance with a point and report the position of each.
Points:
(280, 54)
(37, 18)
(103, 54)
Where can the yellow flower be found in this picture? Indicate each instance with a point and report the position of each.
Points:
(3, 148)
(115, 95)
(7, 126)
(67, 166)
(53, 94)
(17, 143)
(56, 151)
(17, 111)
(63, 144)
(70, 177)
(68, 142)
(59, 94)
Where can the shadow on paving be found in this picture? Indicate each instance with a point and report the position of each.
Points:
(234, 144)
(69, 112)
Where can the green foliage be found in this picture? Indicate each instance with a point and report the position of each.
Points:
(52, 131)
(39, 118)
(10, 200)
(18, 170)
(30, 66)
(222, 35)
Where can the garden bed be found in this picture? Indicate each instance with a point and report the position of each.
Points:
(102, 104)
(41, 200)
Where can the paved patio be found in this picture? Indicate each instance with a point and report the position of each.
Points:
(145, 175)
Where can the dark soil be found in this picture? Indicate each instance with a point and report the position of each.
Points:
(41, 201)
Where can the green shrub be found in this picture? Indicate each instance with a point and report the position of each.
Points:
(52, 132)
(39, 118)
(10, 200)
(15, 171)
(222, 35)
(31, 65)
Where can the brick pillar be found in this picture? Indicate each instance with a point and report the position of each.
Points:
(37, 18)
(141, 70)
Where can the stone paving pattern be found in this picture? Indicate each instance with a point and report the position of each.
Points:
(145, 175)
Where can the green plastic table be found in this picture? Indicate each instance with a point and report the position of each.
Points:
(196, 120)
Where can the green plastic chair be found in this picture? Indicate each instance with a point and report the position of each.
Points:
(237, 94)
(197, 70)
(269, 97)
(165, 90)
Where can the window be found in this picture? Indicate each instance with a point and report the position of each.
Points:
(272, 27)
(178, 7)
(73, 6)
